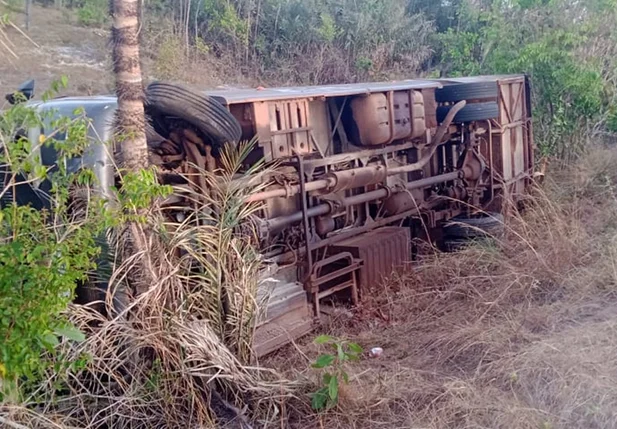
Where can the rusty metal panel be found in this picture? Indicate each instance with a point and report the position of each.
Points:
(279, 122)
(321, 134)
(261, 115)
(512, 133)
(281, 331)
(284, 313)
(299, 115)
(289, 127)
(381, 250)
(430, 108)
(283, 128)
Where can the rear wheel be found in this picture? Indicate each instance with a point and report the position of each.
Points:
(466, 91)
(484, 225)
(95, 289)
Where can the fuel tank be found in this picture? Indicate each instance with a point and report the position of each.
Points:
(384, 117)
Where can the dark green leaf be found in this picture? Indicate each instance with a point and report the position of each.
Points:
(342, 356)
(49, 340)
(333, 389)
(319, 399)
(323, 361)
(354, 347)
(71, 333)
(323, 339)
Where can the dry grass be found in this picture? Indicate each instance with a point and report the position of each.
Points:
(516, 334)
(180, 354)
(519, 333)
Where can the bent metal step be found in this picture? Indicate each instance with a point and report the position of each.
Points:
(281, 331)
(284, 314)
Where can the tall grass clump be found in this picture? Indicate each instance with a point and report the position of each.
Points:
(179, 354)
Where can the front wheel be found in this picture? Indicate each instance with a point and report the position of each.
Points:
(168, 103)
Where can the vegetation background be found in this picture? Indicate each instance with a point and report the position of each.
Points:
(568, 47)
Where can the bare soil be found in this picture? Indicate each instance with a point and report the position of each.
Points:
(64, 49)
(83, 55)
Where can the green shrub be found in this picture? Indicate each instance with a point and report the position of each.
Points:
(43, 253)
(333, 371)
(168, 63)
(92, 13)
(548, 41)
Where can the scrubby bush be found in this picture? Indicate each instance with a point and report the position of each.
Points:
(92, 12)
(44, 253)
(51, 243)
(312, 41)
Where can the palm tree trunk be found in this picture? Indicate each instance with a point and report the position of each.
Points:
(130, 126)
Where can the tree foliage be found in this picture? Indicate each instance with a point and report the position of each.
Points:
(306, 41)
(567, 47)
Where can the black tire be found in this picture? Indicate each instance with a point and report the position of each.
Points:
(485, 225)
(451, 245)
(168, 102)
(471, 112)
(466, 91)
(94, 289)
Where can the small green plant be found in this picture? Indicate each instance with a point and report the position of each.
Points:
(202, 47)
(364, 64)
(334, 372)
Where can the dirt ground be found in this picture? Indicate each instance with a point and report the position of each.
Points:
(83, 55)
(64, 49)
